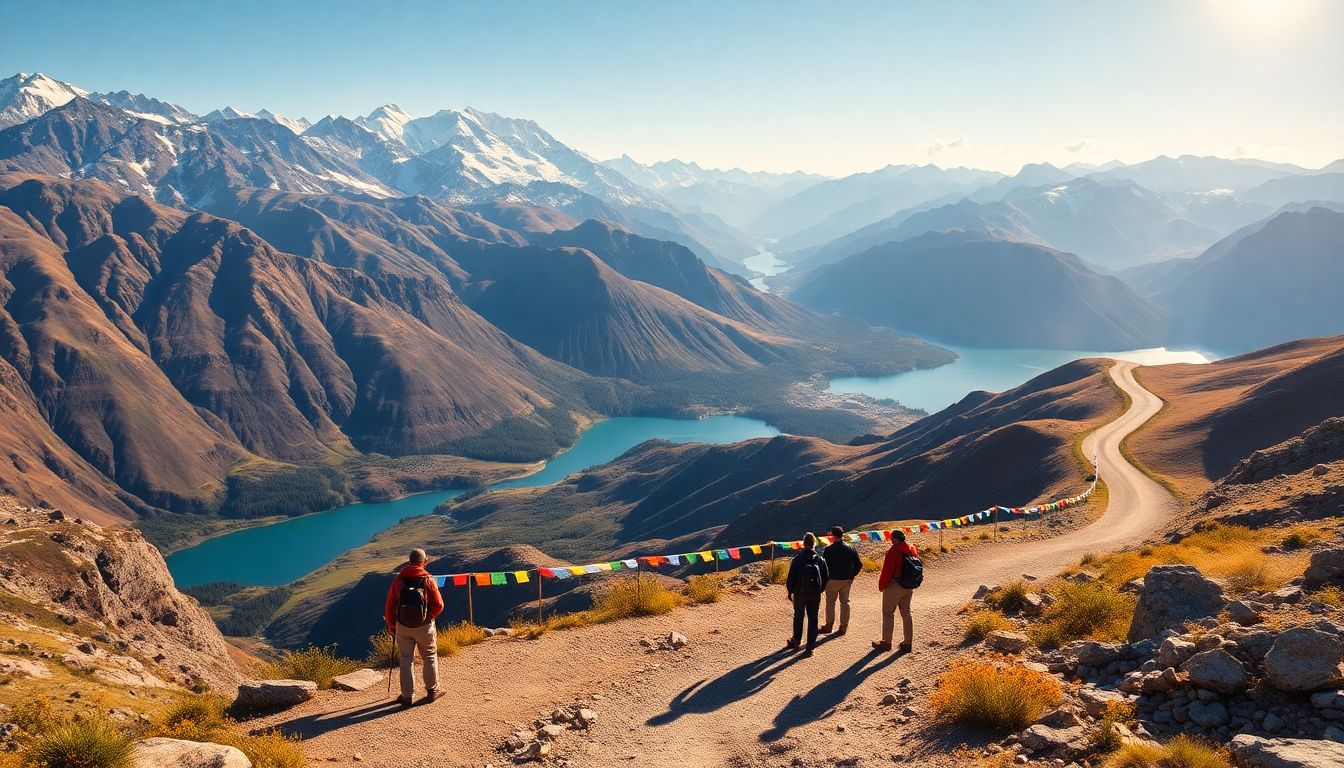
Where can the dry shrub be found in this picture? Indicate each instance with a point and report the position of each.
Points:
(1229, 552)
(91, 742)
(776, 571)
(1107, 737)
(706, 588)
(872, 564)
(999, 698)
(981, 623)
(1180, 752)
(315, 663)
(634, 597)
(34, 717)
(455, 637)
(382, 651)
(1330, 595)
(1084, 610)
(1301, 537)
(268, 749)
(1010, 597)
(194, 718)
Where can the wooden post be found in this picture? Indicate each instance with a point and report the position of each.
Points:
(541, 619)
(940, 537)
(716, 560)
(639, 581)
(471, 614)
(996, 522)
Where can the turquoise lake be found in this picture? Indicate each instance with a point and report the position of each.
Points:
(278, 553)
(993, 370)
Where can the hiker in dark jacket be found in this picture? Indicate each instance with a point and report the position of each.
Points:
(843, 564)
(413, 603)
(806, 583)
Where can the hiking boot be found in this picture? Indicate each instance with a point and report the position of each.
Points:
(432, 697)
(791, 645)
(824, 630)
(807, 654)
(840, 632)
(878, 645)
(404, 701)
(905, 648)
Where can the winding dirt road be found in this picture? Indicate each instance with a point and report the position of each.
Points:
(730, 698)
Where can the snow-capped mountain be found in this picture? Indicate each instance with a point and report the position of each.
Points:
(388, 122)
(227, 113)
(26, 96)
(146, 107)
(297, 125)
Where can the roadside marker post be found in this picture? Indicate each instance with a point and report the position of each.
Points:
(541, 620)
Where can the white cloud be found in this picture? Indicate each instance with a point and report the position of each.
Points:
(938, 145)
(1081, 145)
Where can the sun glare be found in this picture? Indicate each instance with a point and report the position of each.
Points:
(1264, 18)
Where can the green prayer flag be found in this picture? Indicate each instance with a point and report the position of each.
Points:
(497, 578)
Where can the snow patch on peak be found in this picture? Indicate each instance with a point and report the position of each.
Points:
(388, 122)
(26, 96)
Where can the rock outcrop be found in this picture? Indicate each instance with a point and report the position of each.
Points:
(1306, 659)
(179, 753)
(1255, 752)
(274, 694)
(1173, 595)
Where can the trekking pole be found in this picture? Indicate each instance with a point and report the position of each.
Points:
(471, 614)
(392, 658)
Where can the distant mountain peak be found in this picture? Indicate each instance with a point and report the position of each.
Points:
(226, 113)
(295, 124)
(27, 95)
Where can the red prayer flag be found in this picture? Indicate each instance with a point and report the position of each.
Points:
(460, 580)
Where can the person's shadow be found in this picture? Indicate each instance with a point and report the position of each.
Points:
(734, 685)
(319, 723)
(826, 695)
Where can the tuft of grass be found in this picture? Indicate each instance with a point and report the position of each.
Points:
(382, 653)
(455, 637)
(1180, 752)
(84, 743)
(317, 664)
(1229, 552)
(35, 716)
(205, 718)
(1011, 597)
(1107, 739)
(1301, 537)
(998, 698)
(633, 597)
(871, 564)
(982, 622)
(776, 571)
(1082, 611)
(705, 588)
(1330, 595)
(268, 749)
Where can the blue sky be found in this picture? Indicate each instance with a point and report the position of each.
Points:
(827, 87)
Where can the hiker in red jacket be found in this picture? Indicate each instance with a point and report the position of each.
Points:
(413, 603)
(895, 596)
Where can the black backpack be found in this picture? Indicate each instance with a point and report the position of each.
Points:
(413, 603)
(912, 571)
(812, 576)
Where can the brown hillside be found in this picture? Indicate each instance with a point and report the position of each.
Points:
(1220, 413)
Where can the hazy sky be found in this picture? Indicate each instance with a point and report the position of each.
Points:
(827, 87)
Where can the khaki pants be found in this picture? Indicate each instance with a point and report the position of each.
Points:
(897, 598)
(838, 588)
(426, 640)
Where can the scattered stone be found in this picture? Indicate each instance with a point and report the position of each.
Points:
(1096, 654)
(1173, 595)
(983, 590)
(275, 694)
(1043, 738)
(1256, 752)
(1173, 652)
(1327, 565)
(676, 641)
(1032, 605)
(1243, 614)
(1304, 660)
(586, 717)
(1063, 717)
(156, 753)
(1004, 641)
(890, 699)
(1095, 701)
(358, 680)
(1207, 714)
(1328, 699)
(1217, 670)
(551, 731)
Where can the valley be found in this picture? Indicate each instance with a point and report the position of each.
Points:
(296, 297)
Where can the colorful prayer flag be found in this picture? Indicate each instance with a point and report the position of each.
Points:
(482, 579)
(736, 554)
(520, 577)
(460, 580)
(756, 549)
(498, 578)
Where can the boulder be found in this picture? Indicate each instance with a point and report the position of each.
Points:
(1096, 654)
(1216, 670)
(357, 680)
(275, 694)
(161, 753)
(1007, 642)
(1173, 595)
(1096, 701)
(675, 640)
(1328, 699)
(1243, 613)
(1305, 660)
(1255, 752)
(1327, 565)
(1043, 738)
(1173, 652)
(1207, 714)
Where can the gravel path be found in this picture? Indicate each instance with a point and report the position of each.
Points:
(730, 698)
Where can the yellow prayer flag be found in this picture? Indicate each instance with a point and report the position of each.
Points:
(521, 576)
(756, 549)
(577, 570)
(707, 554)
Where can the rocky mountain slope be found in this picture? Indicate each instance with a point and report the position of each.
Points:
(972, 289)
(93, 611)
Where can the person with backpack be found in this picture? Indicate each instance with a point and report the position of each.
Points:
(413, 603)
(843, 564)
(805, 585)
(902, 573)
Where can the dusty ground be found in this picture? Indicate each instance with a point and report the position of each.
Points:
(729, 698)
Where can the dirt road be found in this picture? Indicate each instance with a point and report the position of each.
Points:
(730, 698)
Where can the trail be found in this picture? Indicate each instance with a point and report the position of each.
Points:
(729, 698)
